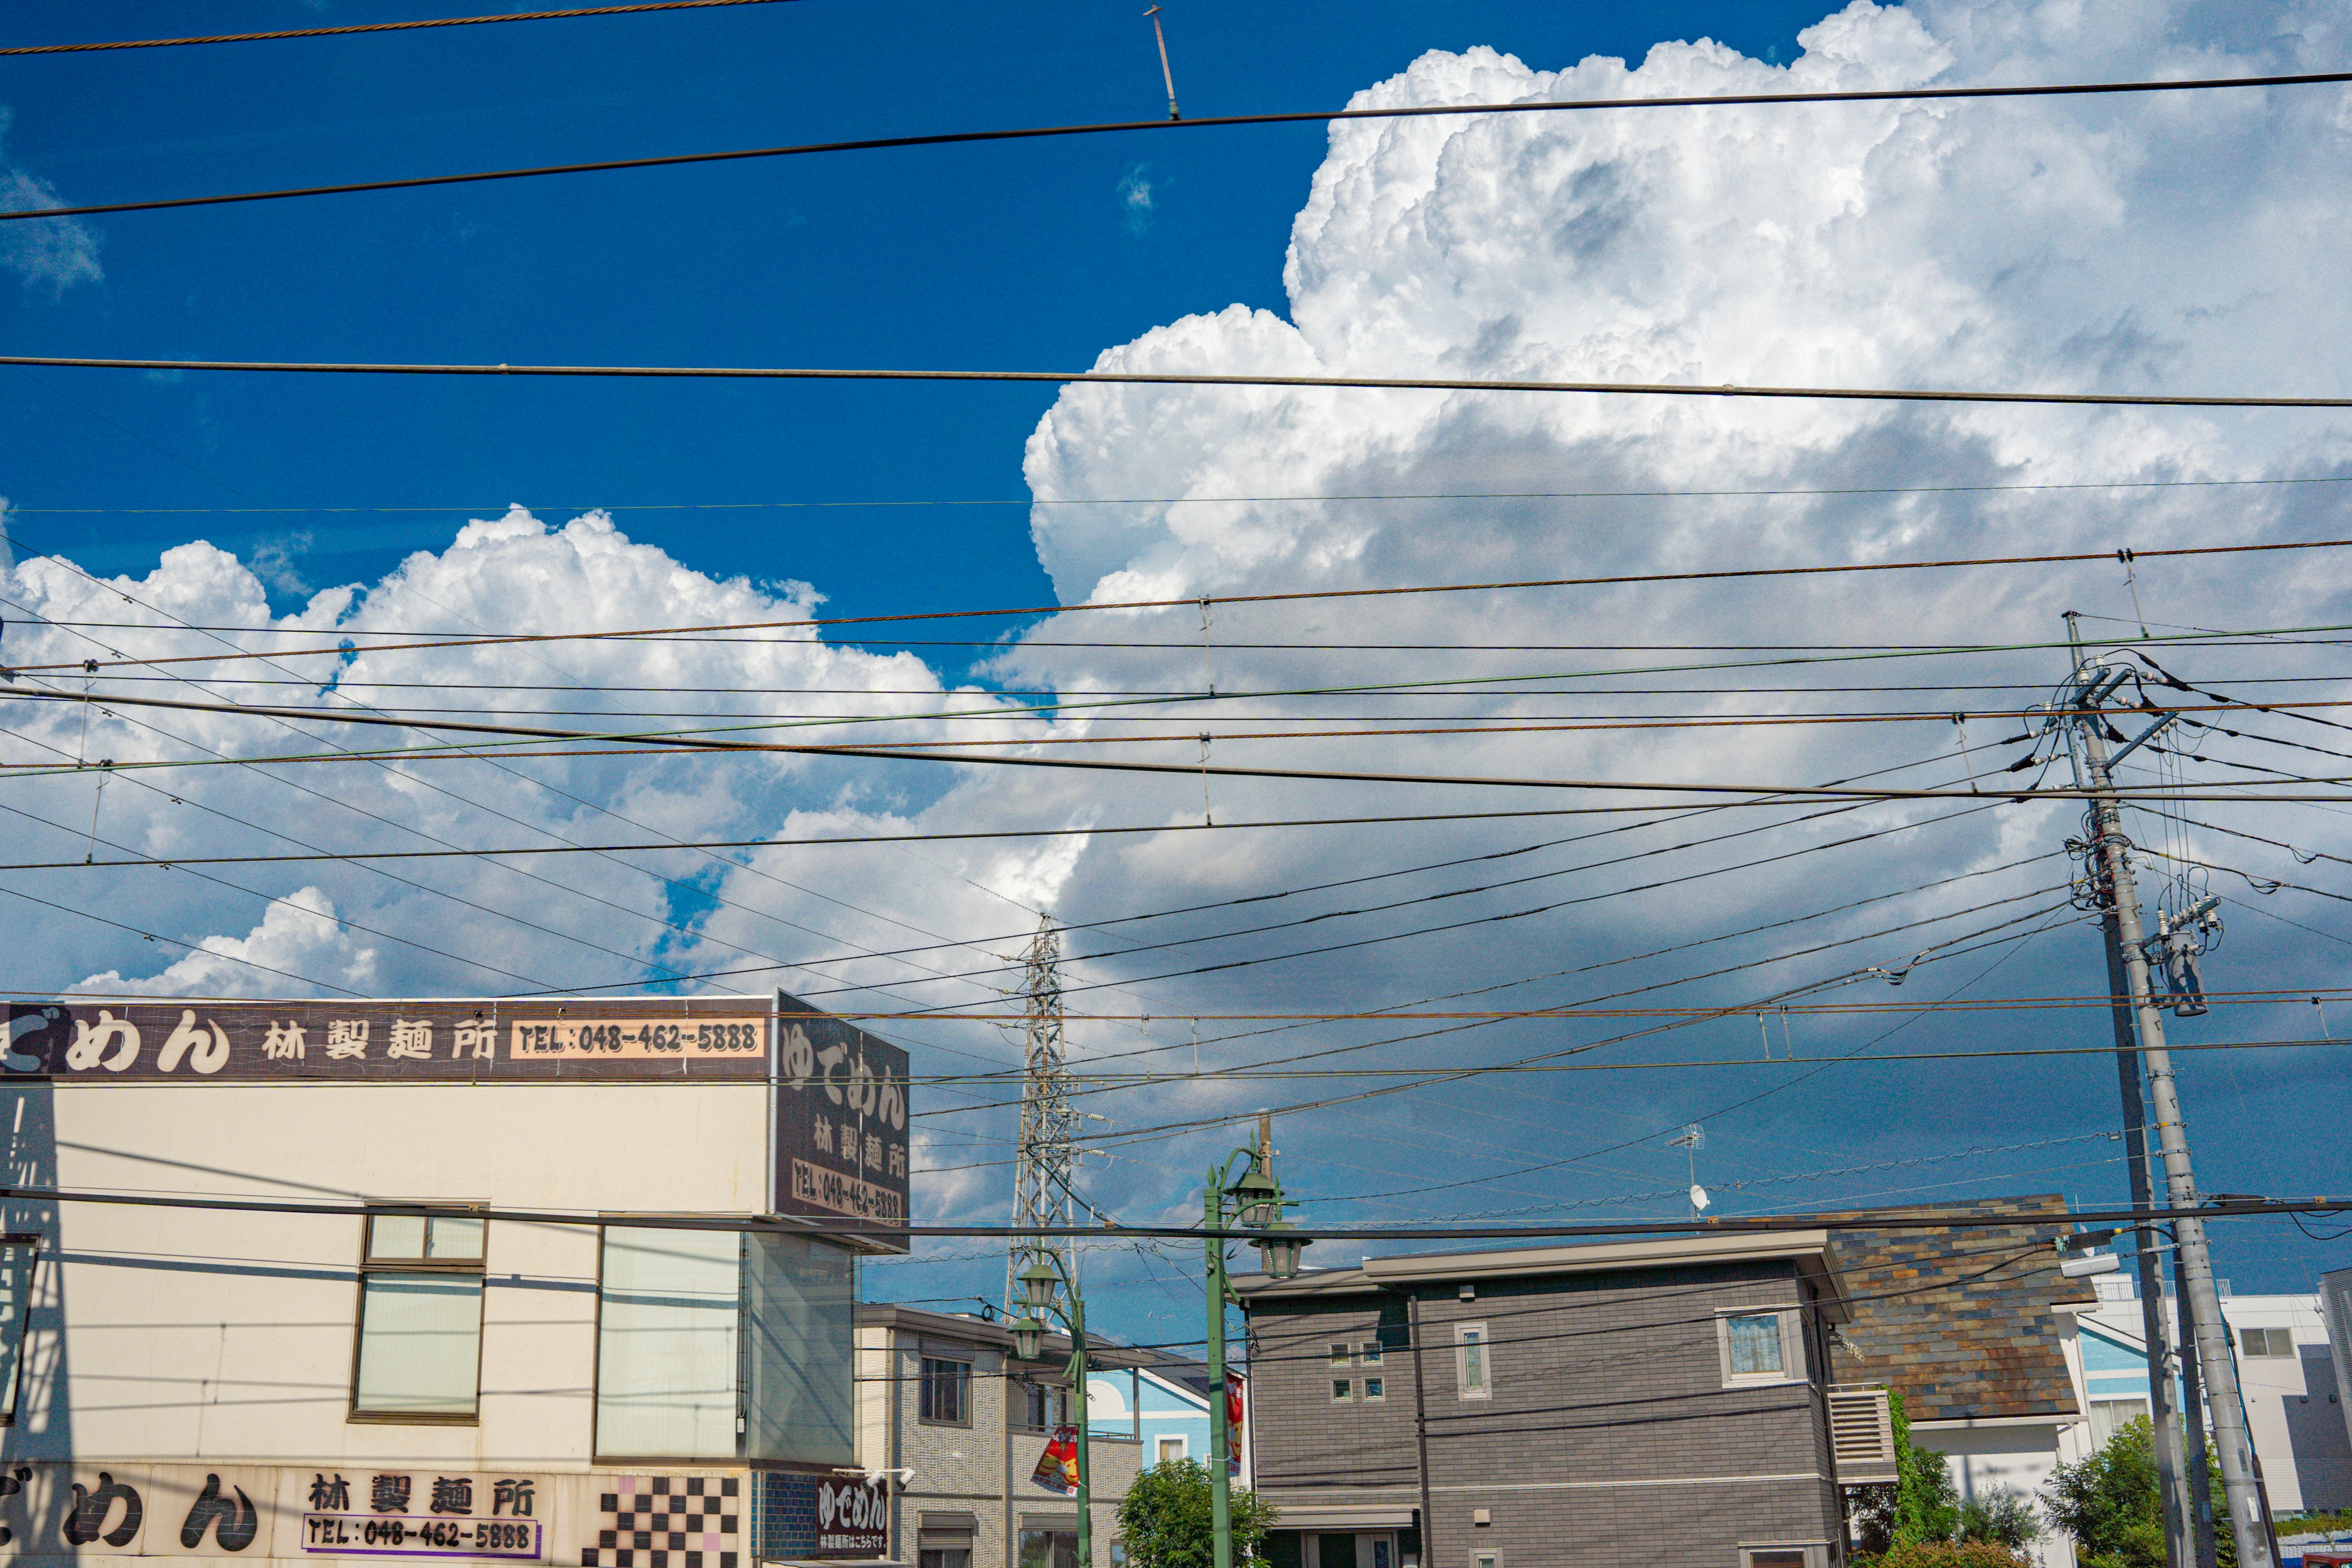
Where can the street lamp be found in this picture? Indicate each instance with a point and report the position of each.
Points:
(1041, 1286)
(1253, 1200)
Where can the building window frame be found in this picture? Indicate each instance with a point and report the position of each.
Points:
(936, 1373)
(1043, 1406)
(22, 1328)
(379, 1262)
(1376, 1390)
(2271, 1344)
(1343, 1354)
(1368, 1353)
(1490, 1557)
(1775, 1554)
(1474, 1353)
(1788, 1343)
(1343, 1391)
(1160, 1445)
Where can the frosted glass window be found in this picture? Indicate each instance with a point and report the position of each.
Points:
(667, 1341)
(1755, 1345)
(16, 1301)
(800, 1301)
(420, 1345)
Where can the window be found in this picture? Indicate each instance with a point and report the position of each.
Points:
(419, 1355)
(947, 1390)
(1342, 1390)
(1486, 1557)
(1339, 1355)
(1376, 1388)
(1755, 1345)
(1370, 1351)
(1170, 1449)
(1043, 1406)
(1759, 1347)
(944, 1557)
(1782, 1556)
(1049, 1549)
(16, 1256)
(667, 1344)
(2109, 1416)
(712, 1345)
(2267, 1341)
(1470, 1360)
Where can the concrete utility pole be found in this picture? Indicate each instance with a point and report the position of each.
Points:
(2109, 866)
(2154, 1328)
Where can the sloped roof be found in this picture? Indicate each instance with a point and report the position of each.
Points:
(1942, 1320)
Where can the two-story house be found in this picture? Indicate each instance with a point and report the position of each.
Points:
(959, 1421)
(1578, 1406)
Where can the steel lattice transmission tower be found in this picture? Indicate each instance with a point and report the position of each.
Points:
(1046, 1157)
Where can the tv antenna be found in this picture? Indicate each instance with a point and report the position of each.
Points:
(1167, 77)
(1690, 1140)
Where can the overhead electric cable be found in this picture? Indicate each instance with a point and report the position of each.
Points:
(1180, 378)
(500, 507)
(915, 752)
(348, 28)
(1309, 117)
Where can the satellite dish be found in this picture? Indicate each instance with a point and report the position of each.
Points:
(1699, 1197)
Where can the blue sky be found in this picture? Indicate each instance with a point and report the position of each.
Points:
(994, 256)
(2142, 245)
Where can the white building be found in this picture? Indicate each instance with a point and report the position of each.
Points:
(2287, 1369)
(563, 1281)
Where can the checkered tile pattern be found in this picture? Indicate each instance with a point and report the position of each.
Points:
(670, 1521)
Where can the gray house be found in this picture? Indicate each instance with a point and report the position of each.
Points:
(1620, 1404)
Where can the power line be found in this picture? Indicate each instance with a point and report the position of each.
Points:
(1316, 117)
(1907, 1219)
(1203, 501)
(377, 27)
(918, 752)
(1178, 378)
(343, 635)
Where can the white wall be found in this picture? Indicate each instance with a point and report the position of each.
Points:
(196, 1334)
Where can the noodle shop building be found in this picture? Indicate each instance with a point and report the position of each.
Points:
(565, 1281)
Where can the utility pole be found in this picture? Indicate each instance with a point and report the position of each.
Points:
(1045, 1156)
(2077, 709)
(2154, 1328)
(2199, 1492)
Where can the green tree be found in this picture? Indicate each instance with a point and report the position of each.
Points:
(1922, 1508)
(2108, 1503)
(1166, 1515)
(2001, 1516)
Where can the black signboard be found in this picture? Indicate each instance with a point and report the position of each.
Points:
(83, 1040)
(842, 1144)
(853, 1516)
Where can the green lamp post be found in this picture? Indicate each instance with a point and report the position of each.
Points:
(1253, 1200)
(1041, 1286)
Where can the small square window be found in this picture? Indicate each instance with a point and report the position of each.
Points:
(1171, 1450)
(1342, 1390)
(1485, 1559)
(1375, 1388)
(1370, 1351)
(1339, 1356)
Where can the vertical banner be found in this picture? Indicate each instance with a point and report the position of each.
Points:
(1235, 1406)
(1057, 1466)
(841, 1124)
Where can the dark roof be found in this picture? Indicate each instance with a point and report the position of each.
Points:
(1938, 1321)
(1104, 1355)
